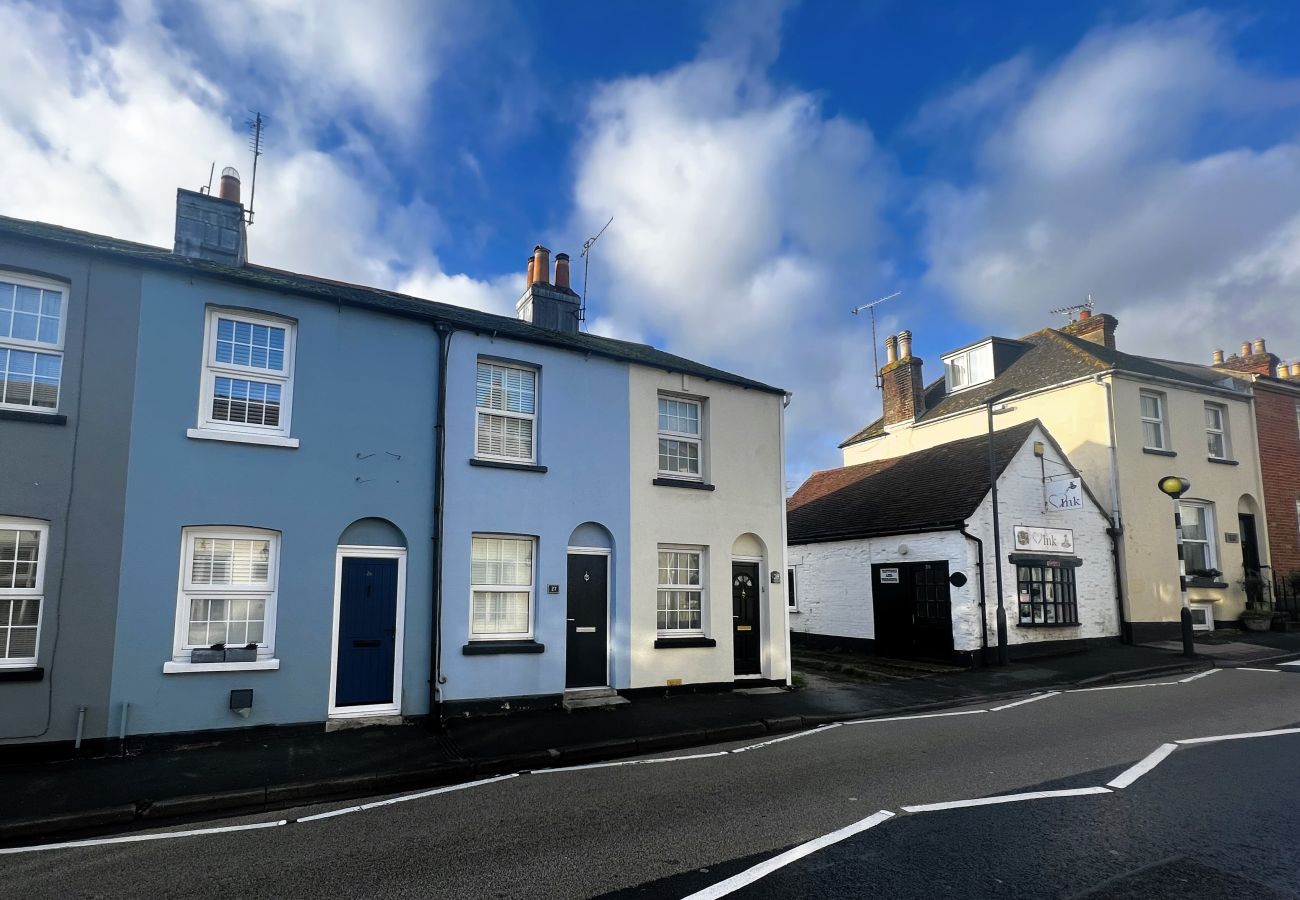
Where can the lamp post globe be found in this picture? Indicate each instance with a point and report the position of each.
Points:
(1174, 485)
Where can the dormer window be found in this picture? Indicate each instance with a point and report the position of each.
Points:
(969, 367)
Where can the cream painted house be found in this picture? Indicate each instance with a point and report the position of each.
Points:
(1124, 421)
(707, 532)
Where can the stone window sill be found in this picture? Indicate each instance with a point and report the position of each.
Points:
(512, 466)
(171, 667)
(26, 673)
(1222, 462)
(682, 483)
(19, 415)
(239, 437)
(1155, 452)
(485, 648)
(667, 643)
(1205, 583)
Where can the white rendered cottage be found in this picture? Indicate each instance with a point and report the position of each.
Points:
(896, 556)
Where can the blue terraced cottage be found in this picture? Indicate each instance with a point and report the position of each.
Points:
(238, 496)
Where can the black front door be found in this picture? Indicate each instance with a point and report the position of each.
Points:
(745, 606)
(912, 609)
(586, 660)
(367, 632)
(1250, 557)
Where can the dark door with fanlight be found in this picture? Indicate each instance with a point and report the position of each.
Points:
(746, 605)
(587, 652)
(367, 640)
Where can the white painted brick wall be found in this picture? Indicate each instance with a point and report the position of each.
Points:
(833, 580)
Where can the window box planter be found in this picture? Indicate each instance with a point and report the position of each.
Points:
(218, 653)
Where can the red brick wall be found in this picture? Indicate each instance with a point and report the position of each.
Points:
(904, 394)
(1279, 452)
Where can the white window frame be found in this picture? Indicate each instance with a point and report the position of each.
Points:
(984, 352)
(38, 346)
(1222, 431)
(702, 589)
(531, 418)
(530, 589)
(180, 661)
(1161, 421)
(683, 436)
(1210, 520)
(238, 432)
(1208, 610)
(36, 593)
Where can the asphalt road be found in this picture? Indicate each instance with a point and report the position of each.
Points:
(1211, 820)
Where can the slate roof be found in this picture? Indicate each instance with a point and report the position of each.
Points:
(1050, 358)
(933, 488)
(456, 317)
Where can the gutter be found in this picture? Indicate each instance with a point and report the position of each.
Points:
(439, 467)
(984, 620)
(893, 532)
(1116, 531)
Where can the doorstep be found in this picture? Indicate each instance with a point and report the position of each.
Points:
(591, 698)
(344, 724)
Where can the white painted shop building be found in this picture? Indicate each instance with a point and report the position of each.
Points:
(896, 556)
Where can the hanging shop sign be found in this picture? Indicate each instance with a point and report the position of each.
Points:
(1064, 495)
(1032, 539)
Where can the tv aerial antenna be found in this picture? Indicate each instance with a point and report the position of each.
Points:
(871, 308)
(1069, 311)
(586, 266)
(255, 123)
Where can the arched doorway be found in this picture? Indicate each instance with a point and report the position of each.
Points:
(747, 560)
(369, 614)
(586, 659)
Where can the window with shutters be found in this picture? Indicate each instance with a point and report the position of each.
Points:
(247, 385)
(32, 313)
(506, 410)
(22, 589)
(228, 587)
(501, 588)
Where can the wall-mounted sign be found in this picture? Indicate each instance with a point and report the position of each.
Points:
(889, 576)
(1064, 495)
(1032, 539)
(1232, 537)
(552, 589)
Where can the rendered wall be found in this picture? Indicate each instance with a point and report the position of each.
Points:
(73, 476)
(363, 409)
(743, 463)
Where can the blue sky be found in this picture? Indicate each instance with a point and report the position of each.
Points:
(767, 165)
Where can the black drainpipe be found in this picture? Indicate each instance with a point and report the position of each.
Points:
(984, 622)
(1125, 630)
(439, 460)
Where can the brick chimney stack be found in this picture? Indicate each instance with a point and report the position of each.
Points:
(1254, 359)
(546, 305)
(1100, 328)
(904, 391)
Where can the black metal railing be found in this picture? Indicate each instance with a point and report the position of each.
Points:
(1286, 595)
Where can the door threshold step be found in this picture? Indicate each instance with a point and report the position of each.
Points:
(754, 691)
(588, 698)
(345, 724)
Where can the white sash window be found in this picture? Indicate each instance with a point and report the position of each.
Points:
(22, 589)
(506, 411)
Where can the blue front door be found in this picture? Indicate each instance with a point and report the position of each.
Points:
(367, 632)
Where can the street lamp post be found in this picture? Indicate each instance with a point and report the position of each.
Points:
(1003, 657)
(1175, 487)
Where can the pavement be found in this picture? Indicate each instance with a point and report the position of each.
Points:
(259, 771)
(1057, 794)
(1227, 646)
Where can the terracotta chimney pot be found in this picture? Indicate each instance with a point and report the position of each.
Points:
(1259, 345)
(562, 271)
(1217, 357)
(891, 349)
(1295, 370)
(1085, 314)
(528, 279)
(1245, 348)
(904, 345)
(229, 188)
(541, 265)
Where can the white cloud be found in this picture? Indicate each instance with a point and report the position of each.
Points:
(1129, 173)
(104, 125)
(745, 228)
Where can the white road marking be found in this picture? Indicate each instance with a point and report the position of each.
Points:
(964, 712)
(1005, 798)
(1121, 687)
(405, 797)
(1238, 737)
(1249, 669)
(1198, 675)
(1152, 759)
(628, 762)
(1033, 699)
(1294, 662)
(763, 869)
(788, 737)
(135, 838)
